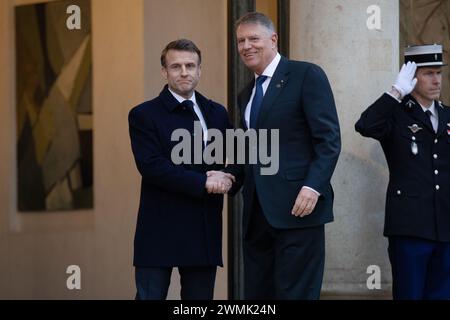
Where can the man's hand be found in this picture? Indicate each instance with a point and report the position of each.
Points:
(305, 202)
(405, 81)
(219, 182)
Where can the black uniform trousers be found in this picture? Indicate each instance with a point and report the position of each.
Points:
(282, 263)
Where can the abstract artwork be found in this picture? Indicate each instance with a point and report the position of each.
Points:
(53, 107)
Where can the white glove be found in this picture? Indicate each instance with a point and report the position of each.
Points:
(405, 81)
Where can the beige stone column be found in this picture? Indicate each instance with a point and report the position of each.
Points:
(361, 64)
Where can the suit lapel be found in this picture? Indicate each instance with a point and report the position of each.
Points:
(277, 83)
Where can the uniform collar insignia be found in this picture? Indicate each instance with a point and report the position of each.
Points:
(410, 103)
(414, 128)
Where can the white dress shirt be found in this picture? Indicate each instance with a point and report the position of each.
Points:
(434, 115)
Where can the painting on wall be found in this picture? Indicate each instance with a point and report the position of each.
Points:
(54, 107)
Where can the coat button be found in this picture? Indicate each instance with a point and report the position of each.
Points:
(399, 192)
(435, 140)
(435, 156)
(437, 187)
(436, 172)
(413, 138)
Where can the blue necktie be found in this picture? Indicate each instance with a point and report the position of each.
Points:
(257, 101)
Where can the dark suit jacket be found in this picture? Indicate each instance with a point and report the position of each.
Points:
(179, 223)
(413, 205)
(299, 103)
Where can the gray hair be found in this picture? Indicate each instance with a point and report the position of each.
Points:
(256, 18)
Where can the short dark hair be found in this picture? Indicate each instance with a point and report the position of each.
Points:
(256, 18)
(180, 45)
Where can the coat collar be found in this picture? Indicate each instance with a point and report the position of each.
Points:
(171, 103)
(416, 111)
(414, 108)
(442, 118)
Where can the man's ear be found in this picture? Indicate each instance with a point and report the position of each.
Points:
(274, 39)
(164, 72)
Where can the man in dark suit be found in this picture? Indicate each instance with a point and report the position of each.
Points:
(414, 132)
(284, 214)
(180, 219)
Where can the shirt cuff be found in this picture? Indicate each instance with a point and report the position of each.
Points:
(311, 190)
(393, 96)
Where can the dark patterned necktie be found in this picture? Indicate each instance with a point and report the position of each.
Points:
(429, 114)
(188, 104)
(257, 101)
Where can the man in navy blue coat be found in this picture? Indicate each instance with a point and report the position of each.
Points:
(284, 213)
(179, 221)
(413, 128)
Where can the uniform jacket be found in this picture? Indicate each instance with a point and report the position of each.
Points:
(418, 194)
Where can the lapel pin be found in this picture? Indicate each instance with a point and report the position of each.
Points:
(280, 84)
(414, 128)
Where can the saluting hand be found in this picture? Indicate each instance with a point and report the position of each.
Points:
(405, 81)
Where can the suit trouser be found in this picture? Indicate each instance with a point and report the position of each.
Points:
(282, 263)
(197, 283)
(420, 268)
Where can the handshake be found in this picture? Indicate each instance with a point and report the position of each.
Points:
(219, 182)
